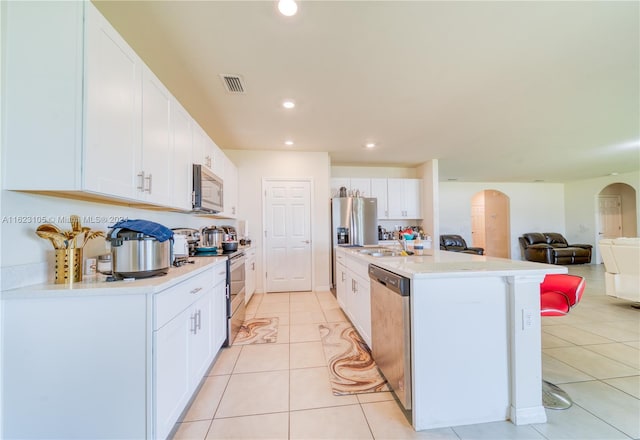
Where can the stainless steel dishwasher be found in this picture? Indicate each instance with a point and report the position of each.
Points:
(391, 330)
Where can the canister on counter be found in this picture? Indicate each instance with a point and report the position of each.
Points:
(104, 264)
(90, 266)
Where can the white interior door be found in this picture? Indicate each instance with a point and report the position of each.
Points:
(610, 216)
(288, 235)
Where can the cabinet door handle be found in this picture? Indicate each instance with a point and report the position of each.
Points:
(149, 178)
(199, 319)
(196, 290)
(342, 273)
(253, 266)
(224, 272)
(141, 176)
(192, 328)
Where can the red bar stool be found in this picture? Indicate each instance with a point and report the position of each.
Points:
(558, 295)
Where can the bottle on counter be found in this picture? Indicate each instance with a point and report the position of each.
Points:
(418, 248)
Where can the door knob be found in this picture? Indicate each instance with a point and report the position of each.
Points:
(306, 241)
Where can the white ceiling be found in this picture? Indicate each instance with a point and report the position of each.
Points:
(497, 91)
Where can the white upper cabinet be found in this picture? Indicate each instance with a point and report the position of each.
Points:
(397, 198)
(352, 184)
(337, 183)
(215, 158)
(207, 153)
(379, 191)
(230, 200)
(181, 131)
(404, 198)
(87, 115)
(113, 88)
(154, 172)
(42, 95)
(361, 186)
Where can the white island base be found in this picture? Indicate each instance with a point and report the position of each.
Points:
(475, 337)
(482, 361)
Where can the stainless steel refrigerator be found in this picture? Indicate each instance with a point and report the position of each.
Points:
(354, 222)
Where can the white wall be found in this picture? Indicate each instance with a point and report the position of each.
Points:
(253, 167)
(582, 211)
(428, 172)
(533, 207)
(28, 259)
(376, 172)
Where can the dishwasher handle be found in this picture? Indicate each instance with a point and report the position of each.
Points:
(392, 281)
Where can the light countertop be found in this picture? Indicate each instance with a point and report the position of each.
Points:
(446, 264)
(96, 284)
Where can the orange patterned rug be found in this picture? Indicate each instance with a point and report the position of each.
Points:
(257, 331)
(351, 367)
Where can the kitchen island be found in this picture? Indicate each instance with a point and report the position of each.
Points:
(475, 336)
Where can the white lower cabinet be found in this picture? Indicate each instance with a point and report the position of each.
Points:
(341, 285)
(120, 362)
(353, 293)
(183, 351)
(250, 274)
(171, 356)
(360, 306)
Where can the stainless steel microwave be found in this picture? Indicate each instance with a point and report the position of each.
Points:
(207, 195)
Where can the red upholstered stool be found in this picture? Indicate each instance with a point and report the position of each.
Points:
(558, 294)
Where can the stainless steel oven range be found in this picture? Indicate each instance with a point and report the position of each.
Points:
(235, 290)
(235, 294)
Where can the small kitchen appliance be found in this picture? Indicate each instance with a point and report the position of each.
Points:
(138, 255)
(191, 235)
(207, 191)
(230, 231)
(211, 238)
(180, 250)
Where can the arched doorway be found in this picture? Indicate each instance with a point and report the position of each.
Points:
(616, 214)
(490, 223)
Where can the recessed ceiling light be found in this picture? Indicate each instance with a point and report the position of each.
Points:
(613, 174)
(369, 145)
(288, 143)
(288, 104)
(452, 179)
(287, 8)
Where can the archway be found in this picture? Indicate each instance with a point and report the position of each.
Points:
(616, 214)
(490, 223)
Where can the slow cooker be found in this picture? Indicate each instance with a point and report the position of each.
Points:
(137, 255)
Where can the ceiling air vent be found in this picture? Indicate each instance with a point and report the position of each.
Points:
(233, 83)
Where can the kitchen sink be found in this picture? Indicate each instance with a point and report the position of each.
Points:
(383, 252)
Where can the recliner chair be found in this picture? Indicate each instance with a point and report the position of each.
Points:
(456, 243)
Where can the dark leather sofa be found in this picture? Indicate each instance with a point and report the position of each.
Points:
(552, 248)
(456, 243)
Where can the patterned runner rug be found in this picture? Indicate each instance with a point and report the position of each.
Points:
(257, 331)
(351, 367)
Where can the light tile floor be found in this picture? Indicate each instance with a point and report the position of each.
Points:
(281, 390)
